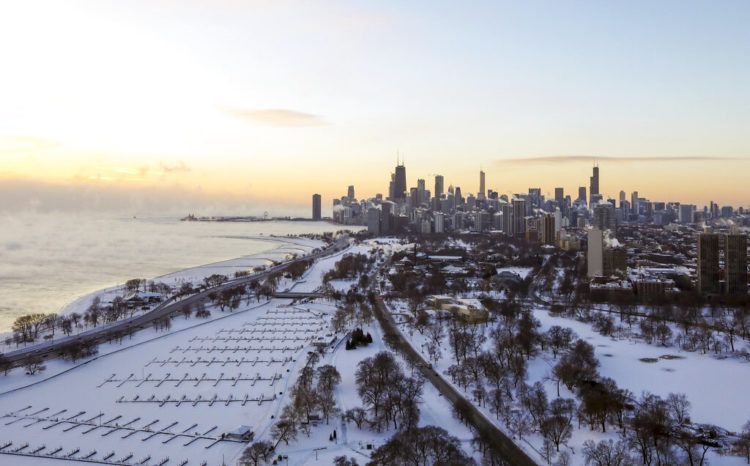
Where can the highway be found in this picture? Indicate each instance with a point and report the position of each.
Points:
(171, 306)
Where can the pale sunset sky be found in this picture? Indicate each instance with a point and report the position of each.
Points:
(262, 103)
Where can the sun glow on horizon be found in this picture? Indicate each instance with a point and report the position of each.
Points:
(273, 101)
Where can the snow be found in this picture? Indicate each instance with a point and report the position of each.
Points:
(713, 386)
(522, 272)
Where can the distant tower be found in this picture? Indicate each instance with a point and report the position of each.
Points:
(316, 202)
(439, 182)
(350, 192)
(421, 192)
(482, 190)
(582, 193)
(594, 185)
(560, 197)
(399, 184)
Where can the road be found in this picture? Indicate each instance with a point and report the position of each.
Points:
(171, 306)
(499, 442)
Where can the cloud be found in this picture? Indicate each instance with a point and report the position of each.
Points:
(564, 159)
(276, 117)
(179, 167)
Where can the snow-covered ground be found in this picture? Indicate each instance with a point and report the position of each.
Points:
(522, 272)
(352, 442)
(716, 388)
(187, 388)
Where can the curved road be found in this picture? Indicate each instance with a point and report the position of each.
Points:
(166, 308)
(496, 438)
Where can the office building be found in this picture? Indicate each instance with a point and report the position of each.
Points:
(421, 197)
(439, 182)
(582, 193)
(560, 197)
(399, 184)
(594, 185)
(350, 193)
(316, 204)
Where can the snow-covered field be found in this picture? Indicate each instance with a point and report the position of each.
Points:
(172, 397)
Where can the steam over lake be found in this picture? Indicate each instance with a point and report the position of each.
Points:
(49, 259)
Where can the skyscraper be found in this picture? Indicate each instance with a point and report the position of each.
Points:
(482, 191)
(421, 192)
(507, 210)
(350, 192)
(399, 184)
(634, 203)
(708, 263)
(594, 185)
(373, 220)
(439, 181)
(560, 197)
(735, 260)
(582, 193)
(316, 202)
(548, 235)
(519, 217)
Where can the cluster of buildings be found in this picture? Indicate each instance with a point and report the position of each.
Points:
(714, 262)
(439, 210)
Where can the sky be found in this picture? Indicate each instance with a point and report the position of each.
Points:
(255, 105)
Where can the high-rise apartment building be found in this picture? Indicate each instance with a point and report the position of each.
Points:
(548, 233)
(735, 263)
(507, 210)
(373, 221)
(519, 217)
(595, 253)
(708, 263)
(316, 207)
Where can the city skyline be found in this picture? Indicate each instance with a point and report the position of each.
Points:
(216, 104)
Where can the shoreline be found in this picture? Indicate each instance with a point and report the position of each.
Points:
(281, 249)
